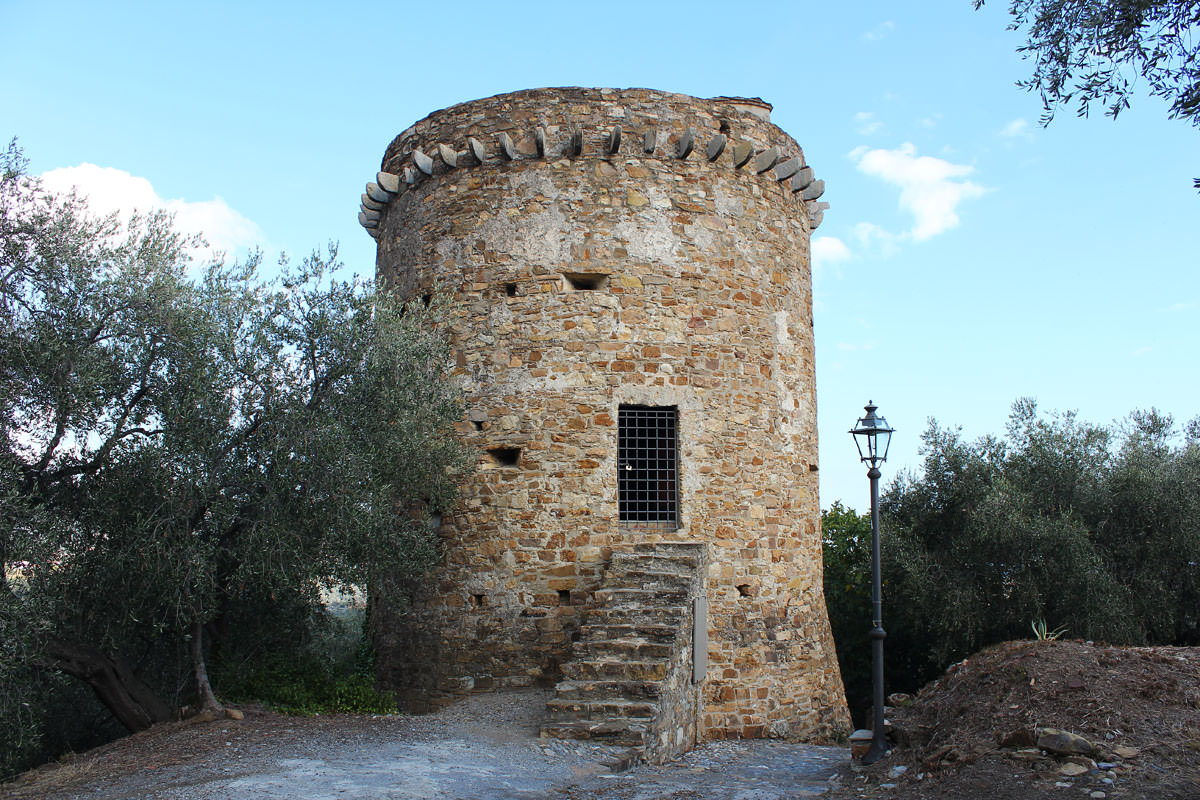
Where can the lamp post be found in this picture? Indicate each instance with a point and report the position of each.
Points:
(873, 436)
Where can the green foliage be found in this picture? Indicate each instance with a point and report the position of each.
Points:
(188, 447)
(846, 538)
(1094, 527)
(332, 673)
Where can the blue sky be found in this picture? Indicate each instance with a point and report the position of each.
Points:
(970, 256)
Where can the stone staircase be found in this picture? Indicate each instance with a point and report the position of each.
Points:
(631, 681)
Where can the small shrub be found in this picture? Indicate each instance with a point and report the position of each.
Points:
(1043, 633)
(331, 672)
(306, 685)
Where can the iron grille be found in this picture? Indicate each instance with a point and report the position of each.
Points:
(647, 466)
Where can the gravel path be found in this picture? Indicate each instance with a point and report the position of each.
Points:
(484, 748)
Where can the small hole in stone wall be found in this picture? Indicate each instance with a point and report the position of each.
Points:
(586, 281)
(510, 289)
(503, 457)
(478, 601)
(564, 597)
(744, 589)
(477, 424)
(813, 468)
(426, 299)
(724, 126)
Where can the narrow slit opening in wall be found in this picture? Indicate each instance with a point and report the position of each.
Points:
(478, 601)
(412, 303)
(510, 289)
(477, 424)
(586, 281)
(503, 456)
(564, 597)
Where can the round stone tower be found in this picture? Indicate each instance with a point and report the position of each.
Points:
(632, 320)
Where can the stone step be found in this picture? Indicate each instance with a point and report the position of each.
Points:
(691, 553)
(594, 691)
(693, 548)
(640, 577)
(566, 710)
(626, 732)
(623, 649)
(585, 670)
(600, 629)
(675, 617)
(659, 563)
(620, 596)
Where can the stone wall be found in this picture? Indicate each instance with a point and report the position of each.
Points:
(591, 269)
(681, 709)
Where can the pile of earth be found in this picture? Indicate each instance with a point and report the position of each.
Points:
(1038, 718)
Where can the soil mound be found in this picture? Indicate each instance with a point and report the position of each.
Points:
(1021, 719)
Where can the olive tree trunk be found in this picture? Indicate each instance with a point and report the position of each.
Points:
(206, 700)
(131, 701)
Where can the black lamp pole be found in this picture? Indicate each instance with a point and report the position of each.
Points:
(873, 436)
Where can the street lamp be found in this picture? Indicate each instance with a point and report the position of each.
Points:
(873, 436)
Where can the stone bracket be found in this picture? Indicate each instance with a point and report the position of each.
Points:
(790, 171)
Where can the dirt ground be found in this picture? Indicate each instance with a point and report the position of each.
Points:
(484, 748)
(972, 734)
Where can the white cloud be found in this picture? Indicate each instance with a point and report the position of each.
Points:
(1184, 306)
(867, 124)
(828, 250)
(1141, 351)
(879, 31)
(1017, 129)
(872, 237)
(110, 190)
(931, 189)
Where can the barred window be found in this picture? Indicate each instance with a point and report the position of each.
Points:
(647, 466)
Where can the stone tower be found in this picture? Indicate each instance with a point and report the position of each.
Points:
(632, 320)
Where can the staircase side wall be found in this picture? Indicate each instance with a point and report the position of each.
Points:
(677, 727)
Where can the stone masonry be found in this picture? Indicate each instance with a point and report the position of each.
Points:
(632, 679)
(610, 253)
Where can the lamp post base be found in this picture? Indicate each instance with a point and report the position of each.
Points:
(878, 750)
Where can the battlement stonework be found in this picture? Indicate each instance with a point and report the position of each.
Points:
(632, 323)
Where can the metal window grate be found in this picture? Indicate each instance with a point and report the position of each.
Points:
(647, 466)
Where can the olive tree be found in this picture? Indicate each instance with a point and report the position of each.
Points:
(179, 438)
(1092, 528)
